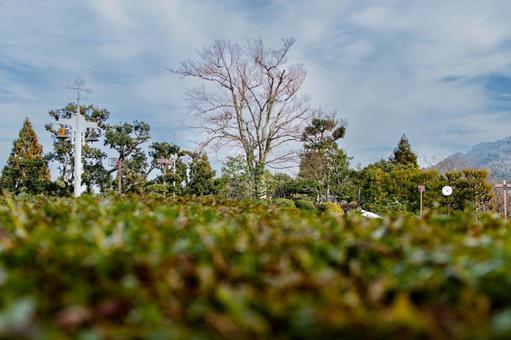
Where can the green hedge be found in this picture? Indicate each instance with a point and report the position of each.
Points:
(159, 268)
(330, 208)
(305, 204)
(284, 203)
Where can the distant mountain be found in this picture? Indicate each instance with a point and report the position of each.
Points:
(493, 156)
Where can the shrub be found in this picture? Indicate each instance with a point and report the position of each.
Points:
(284, 203)
(156, 189)
(305, 204)
(153, 267)
(330, 208)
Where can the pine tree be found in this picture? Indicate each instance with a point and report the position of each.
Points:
(201, 176)
(26, 170)
(403, 154)
(323, 165)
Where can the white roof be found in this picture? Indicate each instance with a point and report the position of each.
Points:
(369, 214)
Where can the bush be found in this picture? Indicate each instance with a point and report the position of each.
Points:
(142, 267)
(305, 204)
(330, 208)
(156, 189)
(284, 203)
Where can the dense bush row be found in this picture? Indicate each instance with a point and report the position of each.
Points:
(124, 268)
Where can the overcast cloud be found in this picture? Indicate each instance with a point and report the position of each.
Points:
(439, 71)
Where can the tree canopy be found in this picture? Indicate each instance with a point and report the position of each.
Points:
(403, 154)
(323, 165)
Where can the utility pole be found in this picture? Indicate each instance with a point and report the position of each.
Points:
(80, 125)
(505, 187)
(421, 188)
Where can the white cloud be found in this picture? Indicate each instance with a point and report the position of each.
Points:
(355, 52)
(383, 67)
(375, 17)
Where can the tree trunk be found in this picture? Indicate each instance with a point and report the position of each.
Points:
(260, 190)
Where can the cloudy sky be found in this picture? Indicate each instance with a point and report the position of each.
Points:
(439, 71)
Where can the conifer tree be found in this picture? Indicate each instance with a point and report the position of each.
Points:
(26, 170)
(201, 176)
(323, 164)
(403, 154)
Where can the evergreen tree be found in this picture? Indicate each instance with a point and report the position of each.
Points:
(236, 181)
(403, 154)
(173, 176)
(26, 170)
(201, 175)
(282, 186)
(127, 139)
(324, 166)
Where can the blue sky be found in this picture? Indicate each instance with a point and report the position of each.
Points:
(439, 71)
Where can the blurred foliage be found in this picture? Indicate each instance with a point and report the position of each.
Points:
(305, 204)
(205, 268)
(330, 208)
(284, 203)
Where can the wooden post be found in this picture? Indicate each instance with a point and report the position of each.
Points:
(505, 187)
(119, 176)
(421, 188)
(505, 204)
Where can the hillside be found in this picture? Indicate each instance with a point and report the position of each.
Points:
(494, 156)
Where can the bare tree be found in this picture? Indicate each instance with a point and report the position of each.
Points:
(250, 99)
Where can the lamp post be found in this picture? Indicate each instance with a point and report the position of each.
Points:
(79, 124)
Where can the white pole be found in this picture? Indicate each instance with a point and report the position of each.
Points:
(78, 150)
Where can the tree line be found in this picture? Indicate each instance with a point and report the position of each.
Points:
(251, 104)
(324, 173)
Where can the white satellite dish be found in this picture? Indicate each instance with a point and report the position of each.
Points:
(447, 190)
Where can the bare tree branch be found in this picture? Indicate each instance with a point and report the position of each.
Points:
(250, 99)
